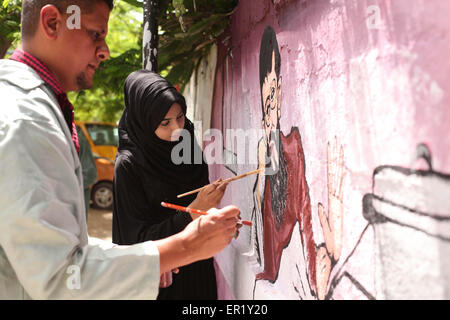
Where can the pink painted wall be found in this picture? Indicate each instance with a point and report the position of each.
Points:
(381, 87)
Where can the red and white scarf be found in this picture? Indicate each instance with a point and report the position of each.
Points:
(48, 77)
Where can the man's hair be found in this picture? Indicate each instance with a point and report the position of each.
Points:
(269, 45)
(31, 11)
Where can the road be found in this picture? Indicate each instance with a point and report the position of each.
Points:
(100, 224)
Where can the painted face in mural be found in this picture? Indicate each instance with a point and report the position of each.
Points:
(271, 94)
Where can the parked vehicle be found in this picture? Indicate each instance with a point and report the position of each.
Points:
(103, 138)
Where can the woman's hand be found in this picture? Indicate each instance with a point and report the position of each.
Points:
(209, 197)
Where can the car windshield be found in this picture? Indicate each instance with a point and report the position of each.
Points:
(103, 134)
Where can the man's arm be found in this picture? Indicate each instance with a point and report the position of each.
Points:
(201, 239)
(43, 230)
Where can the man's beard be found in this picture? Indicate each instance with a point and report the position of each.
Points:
(278, 178)
(82, 82)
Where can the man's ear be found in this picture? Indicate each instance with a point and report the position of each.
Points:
(51, 21)
(280, 80)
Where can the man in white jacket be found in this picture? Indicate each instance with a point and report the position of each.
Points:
(45, 252)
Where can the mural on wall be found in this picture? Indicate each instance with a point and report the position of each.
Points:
(410, 212)
(361, 72)
(281, 193)
(343, 275)
(229, 147)
(198, 92)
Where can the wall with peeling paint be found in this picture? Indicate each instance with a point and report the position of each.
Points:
(370, 77)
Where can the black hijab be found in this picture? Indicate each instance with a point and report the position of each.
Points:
(148, 98)
(145, 175)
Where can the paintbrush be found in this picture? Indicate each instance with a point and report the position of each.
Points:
(227, 180)
(191, 210)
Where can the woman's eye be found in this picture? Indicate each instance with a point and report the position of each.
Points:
(164, 124)
(180, 117)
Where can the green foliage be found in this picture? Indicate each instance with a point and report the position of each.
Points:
(187, 29)
(180, 10)
(10, 18)
(9, 24)
(135, 3)
(104, 101)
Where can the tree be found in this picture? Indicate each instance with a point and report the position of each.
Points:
(150, 34)
(9, 24)
(187, 29)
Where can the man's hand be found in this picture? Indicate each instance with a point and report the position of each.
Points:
(332, 225)
(201, 239)
(211, 233)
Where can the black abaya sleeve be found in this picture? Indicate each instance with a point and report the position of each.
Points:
(137, 217)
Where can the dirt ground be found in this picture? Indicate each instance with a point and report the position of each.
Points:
(100, 224)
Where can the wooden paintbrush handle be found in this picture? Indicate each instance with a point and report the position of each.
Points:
(226, 180)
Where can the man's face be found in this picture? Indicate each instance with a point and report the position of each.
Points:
(83, 49)
(271, 95)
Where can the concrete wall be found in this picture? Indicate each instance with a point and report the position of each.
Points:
(358, 206)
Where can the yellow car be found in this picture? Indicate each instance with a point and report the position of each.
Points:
(103, 138)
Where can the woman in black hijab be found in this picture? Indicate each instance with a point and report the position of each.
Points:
(145, 175)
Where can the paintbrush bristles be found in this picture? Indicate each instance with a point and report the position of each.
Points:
(227, 180)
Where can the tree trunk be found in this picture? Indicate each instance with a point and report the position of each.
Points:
(150, 41)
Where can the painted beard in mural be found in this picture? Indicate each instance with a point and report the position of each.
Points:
(276, 174)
